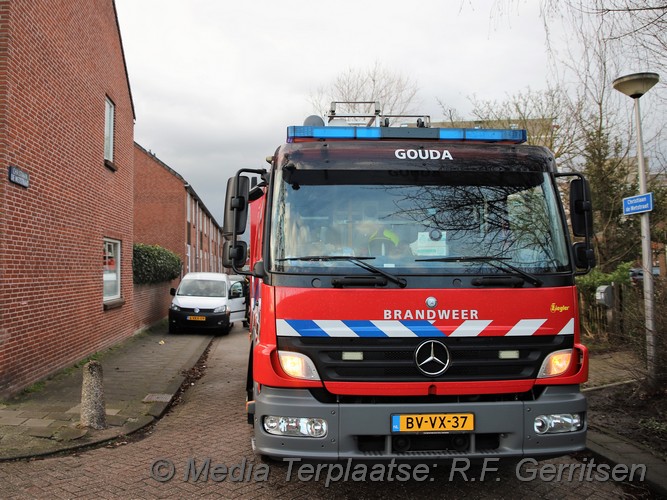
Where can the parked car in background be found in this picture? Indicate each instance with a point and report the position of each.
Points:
(206, 301)
(637, 274)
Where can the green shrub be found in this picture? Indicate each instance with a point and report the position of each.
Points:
(154, 264)
(588, 283)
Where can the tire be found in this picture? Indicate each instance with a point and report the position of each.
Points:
(173, 329)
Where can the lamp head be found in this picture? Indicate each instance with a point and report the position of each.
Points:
(637, 84)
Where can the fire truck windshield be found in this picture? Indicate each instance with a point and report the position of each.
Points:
(415, 222)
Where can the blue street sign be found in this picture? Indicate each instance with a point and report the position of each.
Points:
(638, 204)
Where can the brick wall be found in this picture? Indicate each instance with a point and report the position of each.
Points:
(161, 200)
(161, 197)
(60, 60)
(160, 219)
(151, 303)
(160, 203)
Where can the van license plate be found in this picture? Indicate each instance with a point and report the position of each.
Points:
(196, 318)
(433, 422)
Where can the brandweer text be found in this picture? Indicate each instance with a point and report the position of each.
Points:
(431, 314)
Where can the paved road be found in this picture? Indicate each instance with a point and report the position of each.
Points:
(206, 438)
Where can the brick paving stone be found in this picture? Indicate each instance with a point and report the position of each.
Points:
(11, 421)
(60, 423)
(34, 414)
(38, 422)
(70, 434)
(60, 416)
(41, 432)
(10, 413)
(116, 420)
(612, 367)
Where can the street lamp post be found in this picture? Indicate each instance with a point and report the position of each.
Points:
(635, 86)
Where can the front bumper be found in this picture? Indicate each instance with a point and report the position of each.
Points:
(502, 429)
(211, 321)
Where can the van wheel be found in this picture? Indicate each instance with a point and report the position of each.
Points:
(173, 329)
(225, 329)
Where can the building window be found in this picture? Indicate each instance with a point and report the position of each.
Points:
(109, 109)
(111, 269)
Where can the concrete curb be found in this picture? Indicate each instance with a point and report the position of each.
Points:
(157, 409)
(612, 448)
(102, 437)
(133, 425)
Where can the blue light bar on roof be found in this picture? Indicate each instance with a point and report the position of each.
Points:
(444, 134)
(304, 132)
(484, 134)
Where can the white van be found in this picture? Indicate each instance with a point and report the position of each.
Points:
(206, 301)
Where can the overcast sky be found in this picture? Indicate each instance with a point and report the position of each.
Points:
(216, 83)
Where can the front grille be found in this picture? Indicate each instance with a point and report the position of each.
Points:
(393, 359)
(191, 310)
(415, 444)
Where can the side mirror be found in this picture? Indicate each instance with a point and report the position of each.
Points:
(584, 256)
(234, 254)
(172, 291)
(581, 208)
(236, 205)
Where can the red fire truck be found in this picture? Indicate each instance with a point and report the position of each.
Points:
(413, 293)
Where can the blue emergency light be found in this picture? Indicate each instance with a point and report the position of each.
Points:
(445, 134)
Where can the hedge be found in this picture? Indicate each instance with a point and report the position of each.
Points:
(589, 283)
(154, 264)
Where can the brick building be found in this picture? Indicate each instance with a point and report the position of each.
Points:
(66, 153)
(169, 213)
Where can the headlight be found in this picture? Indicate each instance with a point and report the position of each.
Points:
(558, 423)
(555, 363)
(222, 309)
(174, 307)
(298, 365)
(295, 426)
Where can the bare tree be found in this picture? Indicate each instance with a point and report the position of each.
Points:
(547, 115)
(451, 115)
(635, 29)
(394, 91)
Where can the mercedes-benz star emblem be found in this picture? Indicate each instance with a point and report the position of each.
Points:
(196, 309)
(432, 358)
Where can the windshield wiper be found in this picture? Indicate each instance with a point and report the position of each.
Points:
(358, 261)
(534, 280)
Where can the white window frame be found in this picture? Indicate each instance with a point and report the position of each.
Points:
(111, 269)
(109, 112)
